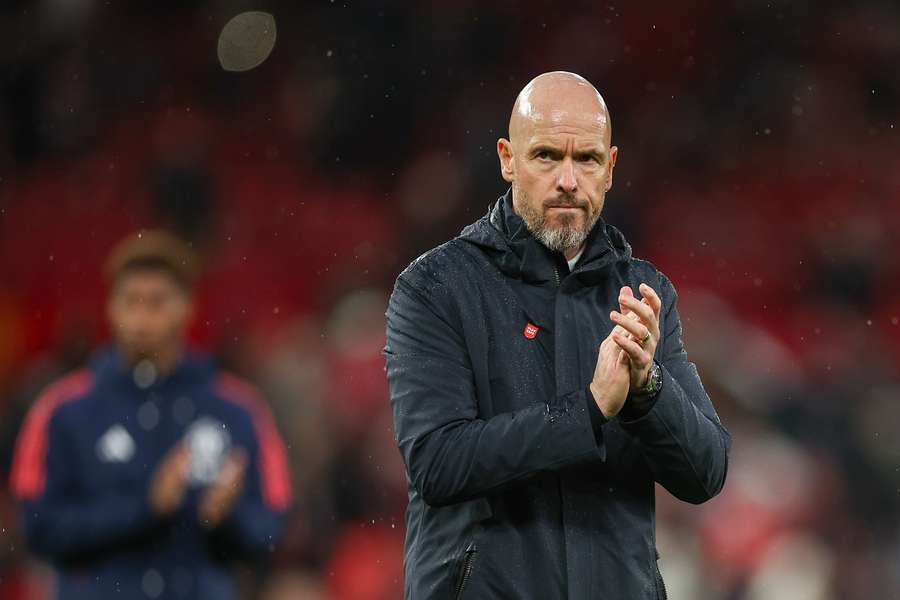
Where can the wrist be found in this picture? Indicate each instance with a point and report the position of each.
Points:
(594, 397)
(642, 384)
(651, 384)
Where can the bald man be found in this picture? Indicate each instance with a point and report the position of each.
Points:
(539, 382)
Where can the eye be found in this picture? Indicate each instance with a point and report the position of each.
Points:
(543, 155)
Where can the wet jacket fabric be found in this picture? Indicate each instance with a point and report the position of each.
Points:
(517, 490)
(83, 466)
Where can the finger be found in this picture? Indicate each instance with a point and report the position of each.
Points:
(638, 357)
(179, 463)
(643, 311)
(622, 358)
(632, 325)
(229, 475)
(652, 297)
(630, 314)
(238, 458)
(238, 486)
(626, 291)
(179, 454)
(229, 479)
(616, 329)
(233, 471)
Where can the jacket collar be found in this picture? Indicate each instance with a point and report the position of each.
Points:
(505, 238)
(109, 365)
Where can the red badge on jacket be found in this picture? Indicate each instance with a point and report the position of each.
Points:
(531, 331)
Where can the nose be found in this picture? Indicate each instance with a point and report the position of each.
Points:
(565, 179)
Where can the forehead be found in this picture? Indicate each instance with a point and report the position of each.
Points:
(561, 126)
(146, 281)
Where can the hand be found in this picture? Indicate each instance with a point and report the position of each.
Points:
(221, 496)
(638, 320)
(169, 483)
(611, 378)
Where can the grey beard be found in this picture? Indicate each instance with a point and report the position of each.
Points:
(559, 239)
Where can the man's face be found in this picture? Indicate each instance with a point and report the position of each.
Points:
(149, 313)
(560, 165)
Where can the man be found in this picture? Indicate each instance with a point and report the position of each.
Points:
(536, 395)
(144, 475)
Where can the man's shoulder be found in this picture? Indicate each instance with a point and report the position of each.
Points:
(67, 394)
(28, 471)
(445, 265)
(238, 393)
(644, 271)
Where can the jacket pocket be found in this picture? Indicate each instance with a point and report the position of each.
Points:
(467, 564)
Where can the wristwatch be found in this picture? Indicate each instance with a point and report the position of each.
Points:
(654, 383)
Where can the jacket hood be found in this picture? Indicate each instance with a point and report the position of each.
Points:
(502, 234)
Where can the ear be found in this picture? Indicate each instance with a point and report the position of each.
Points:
(613, 153)
(504, 152)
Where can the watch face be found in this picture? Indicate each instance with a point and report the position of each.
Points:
(655, 379)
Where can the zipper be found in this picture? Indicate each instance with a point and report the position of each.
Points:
(556, 275)
(661, 584)
(466, 573)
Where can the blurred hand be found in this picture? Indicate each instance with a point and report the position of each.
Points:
(611, 376)
(169, 483)
(639, 333)
(222, 494)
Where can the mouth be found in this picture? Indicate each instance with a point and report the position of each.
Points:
(565, 208)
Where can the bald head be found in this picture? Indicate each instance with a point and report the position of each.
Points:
(559, 158)
(558, 98)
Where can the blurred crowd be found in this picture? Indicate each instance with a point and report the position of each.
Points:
(759, 168)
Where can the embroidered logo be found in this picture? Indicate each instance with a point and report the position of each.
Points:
(531, 331)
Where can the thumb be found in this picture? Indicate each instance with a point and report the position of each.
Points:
(179, 464)
(238, 458)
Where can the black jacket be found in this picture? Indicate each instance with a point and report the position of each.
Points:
(518, 488)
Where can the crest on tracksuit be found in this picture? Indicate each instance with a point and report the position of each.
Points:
(209, 443)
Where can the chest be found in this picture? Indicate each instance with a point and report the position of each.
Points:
(125, 434)
(532, 342)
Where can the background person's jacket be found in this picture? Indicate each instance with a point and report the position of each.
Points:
(517, 490)
(83, 465)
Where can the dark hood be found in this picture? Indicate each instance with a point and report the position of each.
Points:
(502, 234)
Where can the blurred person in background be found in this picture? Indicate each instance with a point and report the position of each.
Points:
(536, 398)
(148, 473)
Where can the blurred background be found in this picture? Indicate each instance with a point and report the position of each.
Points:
(759, 168)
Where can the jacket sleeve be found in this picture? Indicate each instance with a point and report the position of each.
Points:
(255, 524)
(62, 523)
(684, 442)
(253, 528)
(451, 454)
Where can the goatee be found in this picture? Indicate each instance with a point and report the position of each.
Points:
(567, 235)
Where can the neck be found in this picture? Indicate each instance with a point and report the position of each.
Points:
(165, 360)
